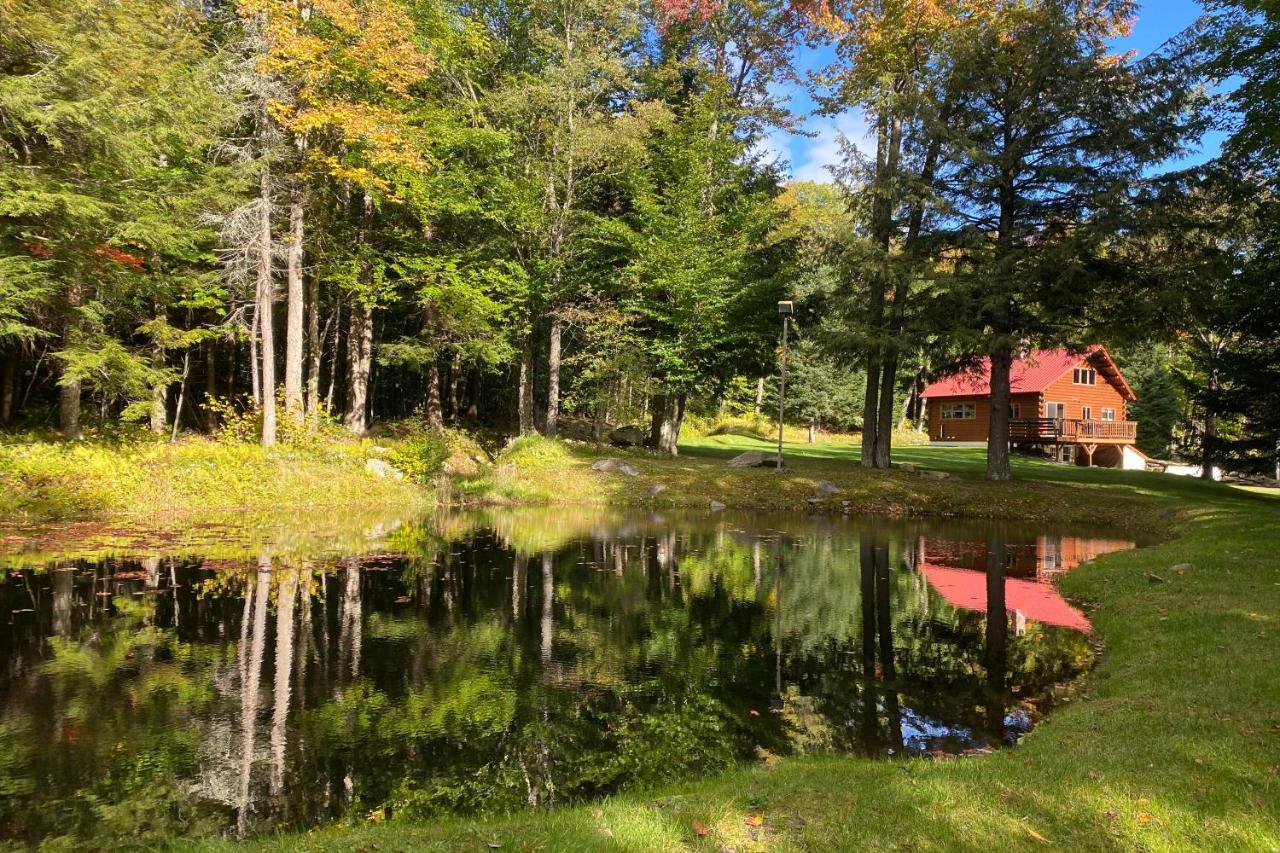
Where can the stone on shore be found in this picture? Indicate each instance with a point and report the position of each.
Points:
(627, 436)
(611, 466)
(655, 490)
(382, 468)
(716, 506)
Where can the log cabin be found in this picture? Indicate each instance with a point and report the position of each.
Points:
(1069, 404)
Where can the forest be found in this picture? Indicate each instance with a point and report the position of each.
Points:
(561, 216)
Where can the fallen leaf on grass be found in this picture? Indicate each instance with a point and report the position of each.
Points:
(754, 820)
(1037, 836)
(1144, 817)
(700, 828)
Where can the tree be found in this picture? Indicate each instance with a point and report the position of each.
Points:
(700, 289)
(1048, 133)
(102, 110)
(893, 62)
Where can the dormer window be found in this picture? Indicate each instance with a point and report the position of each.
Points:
(1085, 376)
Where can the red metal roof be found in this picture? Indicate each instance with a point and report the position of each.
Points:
(1031, 374)
(967, 589)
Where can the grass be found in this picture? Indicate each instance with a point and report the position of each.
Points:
(136, 475)
(1174, 745)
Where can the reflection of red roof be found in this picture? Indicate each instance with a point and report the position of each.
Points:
(1031, 374)
(967, 588)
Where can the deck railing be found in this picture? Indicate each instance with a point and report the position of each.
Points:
(1072, 430)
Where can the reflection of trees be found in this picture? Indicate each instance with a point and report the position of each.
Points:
(448, 676)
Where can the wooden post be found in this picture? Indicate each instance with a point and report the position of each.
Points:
(1088, 453)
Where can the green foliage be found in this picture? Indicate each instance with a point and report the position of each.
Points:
(422, 455)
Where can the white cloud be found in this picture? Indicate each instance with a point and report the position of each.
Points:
(816, 154)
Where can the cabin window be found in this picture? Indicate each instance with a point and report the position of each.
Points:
(1088, 413)
(1085, 376)
(959, 411)
(1108, 414)
(1015, 411)
(1055, 411)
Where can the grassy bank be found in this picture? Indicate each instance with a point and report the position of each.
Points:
(44, 479)
(943, 481)
(1175, 744)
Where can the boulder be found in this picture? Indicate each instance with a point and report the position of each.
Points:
(382, 468)
(750, 459)
(716, 506)
(825, 491)
(628, 436)
(655, 490)
(611, 466)
(935, 475)
(906, 466)
(753, 459)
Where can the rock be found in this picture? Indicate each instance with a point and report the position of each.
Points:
(716, 506)
(935, 475)
(610, 466)
(628, 436)
(826, 490)
(907, 467)
(750, 459)
(655, 490)
(1181, 567)
(753, 459)
(381, 468)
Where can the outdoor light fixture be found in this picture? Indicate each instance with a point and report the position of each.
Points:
(785, 309)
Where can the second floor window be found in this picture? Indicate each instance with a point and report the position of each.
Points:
(1085, 376)
(1108, 414)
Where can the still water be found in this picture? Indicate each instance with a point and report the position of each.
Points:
(507, 660)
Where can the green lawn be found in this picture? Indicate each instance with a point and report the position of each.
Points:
(1174, 745)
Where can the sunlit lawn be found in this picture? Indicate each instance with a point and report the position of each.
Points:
(1175, 744)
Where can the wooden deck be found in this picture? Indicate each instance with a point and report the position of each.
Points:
(1065, 431)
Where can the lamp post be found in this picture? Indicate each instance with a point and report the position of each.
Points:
(785, 309)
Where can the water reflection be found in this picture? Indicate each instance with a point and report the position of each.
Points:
(491, 662)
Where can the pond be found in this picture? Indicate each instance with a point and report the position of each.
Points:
(502, 660)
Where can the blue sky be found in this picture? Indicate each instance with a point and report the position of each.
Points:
(809, 156)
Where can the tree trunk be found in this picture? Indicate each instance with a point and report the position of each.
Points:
(9, 385)
(668, 415)
(1210, 436)
(525, 393)
(473, 394)
(455, 385)
(998, 422)
(813, 433)
(435, 412)
(266, 324)
(159, 396)
(360, 338)
(333, 357)
(69, 390)
(359, 363)
(759, 396)
(182, 392)
(210, 382)
(255, 380)
(316, 352)
(296, 308)
(553, 376)
(884, 428)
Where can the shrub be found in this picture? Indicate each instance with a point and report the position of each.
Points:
(422, 455)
